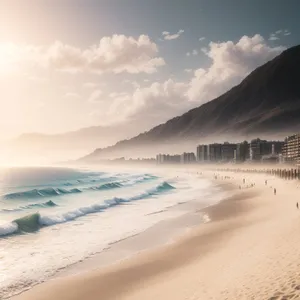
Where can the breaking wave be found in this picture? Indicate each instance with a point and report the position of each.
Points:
(34, 222)
(53, 191)
(38, 193)
(108, 186)
(49, 203)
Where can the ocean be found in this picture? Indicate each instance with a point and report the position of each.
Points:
(51, 218)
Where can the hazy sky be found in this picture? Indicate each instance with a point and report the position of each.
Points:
(68, 64)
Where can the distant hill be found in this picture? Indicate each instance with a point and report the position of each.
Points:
(89, 135)
(266, 102)
(36, 147)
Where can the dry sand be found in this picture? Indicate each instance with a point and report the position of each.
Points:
(249, 250)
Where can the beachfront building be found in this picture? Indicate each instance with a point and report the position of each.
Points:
(255, 149)
(242, 151)
(214, 152)
(260, 148)
(188, 158)
(174, 159)
(276, 148)
(167, 159)
(291, 149)
(228, 151)
(202, 153)
(271, 158)
(159, 158)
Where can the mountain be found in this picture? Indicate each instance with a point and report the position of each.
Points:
(89, 135)
(265, 103)
(37, 148)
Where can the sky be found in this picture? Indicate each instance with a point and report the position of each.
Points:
(69, 64)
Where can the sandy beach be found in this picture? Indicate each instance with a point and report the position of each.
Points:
(250, 249)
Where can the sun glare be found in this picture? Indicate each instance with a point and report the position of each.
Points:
(8, 58)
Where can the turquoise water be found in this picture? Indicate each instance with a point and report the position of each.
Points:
(53, 217)
(36, 197)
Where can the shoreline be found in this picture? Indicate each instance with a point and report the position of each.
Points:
(177, 220)
(212, 261)
(159, 235)
(113, 255)
(187, 215)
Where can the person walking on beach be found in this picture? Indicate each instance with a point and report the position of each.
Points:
(297, 205)
(266, 182)
(274, 191)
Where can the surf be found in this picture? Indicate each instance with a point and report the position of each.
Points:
(33, 222)
(46, 204)
(57, 191)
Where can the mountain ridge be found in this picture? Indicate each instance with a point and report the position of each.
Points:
(44, 148)
(267, 100)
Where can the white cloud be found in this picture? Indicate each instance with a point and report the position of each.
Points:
(117, 110)
(168, 36)
(202, 38)
(204, 50)
(133, 83)
(275, 35)
(230, 63)
(95, 96)
(60, 57)
(195, 52)
(115, 54)
(149, 104)
(124, 54)
(152, 104)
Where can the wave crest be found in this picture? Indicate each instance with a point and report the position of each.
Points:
(49, 203)
(54, 191)
(38, 193)
(34, 222)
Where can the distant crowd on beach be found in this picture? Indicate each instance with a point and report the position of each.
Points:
(286, 174)
(250, 185)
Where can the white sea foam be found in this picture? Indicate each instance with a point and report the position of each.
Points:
(89, 221)
(8, 228)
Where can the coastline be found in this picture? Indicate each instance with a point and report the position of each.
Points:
(172, 221)
(159, 235)
(216, 260)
